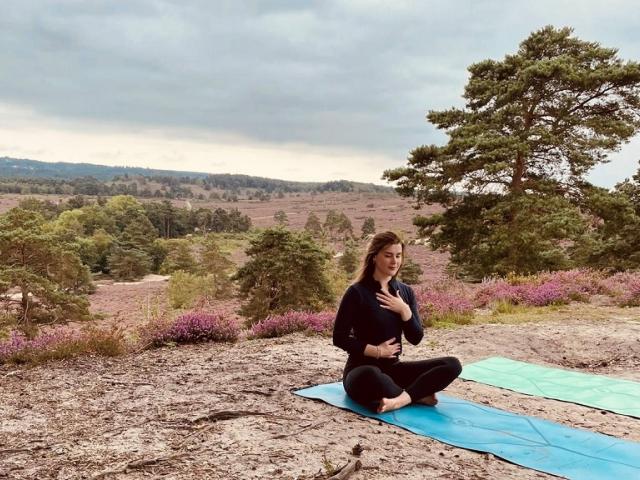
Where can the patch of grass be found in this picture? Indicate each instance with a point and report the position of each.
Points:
(328, 466)
(448, 320)
(232, 242)
(515, 314)
(505, 307)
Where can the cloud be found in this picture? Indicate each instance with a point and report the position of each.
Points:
(339, 75)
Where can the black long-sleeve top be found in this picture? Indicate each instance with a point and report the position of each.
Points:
(361, 320)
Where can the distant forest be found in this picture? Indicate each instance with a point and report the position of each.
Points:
(29, 177)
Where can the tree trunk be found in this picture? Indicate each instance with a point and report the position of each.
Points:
(518, 173)
(25, 304)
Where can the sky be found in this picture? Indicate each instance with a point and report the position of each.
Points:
(290, 89)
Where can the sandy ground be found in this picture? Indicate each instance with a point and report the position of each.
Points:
(226, 411)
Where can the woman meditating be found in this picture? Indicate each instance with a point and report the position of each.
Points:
(374, 313)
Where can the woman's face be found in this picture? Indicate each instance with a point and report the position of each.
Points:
(388, 260)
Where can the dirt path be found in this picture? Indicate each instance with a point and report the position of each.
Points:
(79, 418)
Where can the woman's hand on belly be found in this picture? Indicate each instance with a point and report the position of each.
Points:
(389, 349)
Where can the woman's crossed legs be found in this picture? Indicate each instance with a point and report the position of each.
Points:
(401, 383)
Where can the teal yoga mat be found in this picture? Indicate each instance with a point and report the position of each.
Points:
(528, 441)
(605, 393)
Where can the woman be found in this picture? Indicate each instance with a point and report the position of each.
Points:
(374, 313)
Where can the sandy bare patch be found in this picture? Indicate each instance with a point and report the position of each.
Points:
(79, 418)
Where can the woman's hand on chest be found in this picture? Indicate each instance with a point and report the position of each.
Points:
(395, 303)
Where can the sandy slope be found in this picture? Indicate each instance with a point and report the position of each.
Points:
(78, 418)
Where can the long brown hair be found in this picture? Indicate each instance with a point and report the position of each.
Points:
(377, 243)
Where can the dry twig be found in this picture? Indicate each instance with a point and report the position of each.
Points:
(136, 464)
(308, 427)
(347, 470)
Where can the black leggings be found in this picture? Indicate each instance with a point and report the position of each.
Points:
(368, 384)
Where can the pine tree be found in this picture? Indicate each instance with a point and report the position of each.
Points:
(349, 259)
(45, 268)
(286, 271)
(410, 272)
(534, 124)
(368, 227)
(215, 264)
(281, 218)
(313, 226)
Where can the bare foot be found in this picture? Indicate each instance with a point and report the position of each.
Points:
(390, 404)
(429, 400)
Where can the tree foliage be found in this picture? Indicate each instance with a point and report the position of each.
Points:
(313, 226)
(410, 272)
(349, 259)
(281, 218)
(368, 227)
(286, 271)
(46, 270)
(338, 226)
(534, 124)
(179, 257)
(214, 263)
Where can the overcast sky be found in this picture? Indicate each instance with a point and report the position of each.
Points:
(299, 90)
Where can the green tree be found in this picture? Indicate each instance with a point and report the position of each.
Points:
(338, 226)
(313, 226)
(102, 243)
(47, 270)
(124, 209)
(138, 233)
(410, 272)
(128, 263)
(44, 207)
(613, 241)
(285, 271)
(368, 227)
(533, 126)
(216, 265)
(281, 218)
(179, 257)
(349, 260)
(331, 223)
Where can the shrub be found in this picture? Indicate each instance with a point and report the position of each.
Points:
(190, 327)
(444, 302)
(624, 287)
(548, 293)
(290, 322)
(535, 293)
(61, 344)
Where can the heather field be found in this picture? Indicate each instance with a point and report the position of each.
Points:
(148, 391)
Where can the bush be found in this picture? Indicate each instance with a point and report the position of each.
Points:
(290, 322)
(624, 287)
(61, 344)
(551, 288)
(444, 302)
(190, 327)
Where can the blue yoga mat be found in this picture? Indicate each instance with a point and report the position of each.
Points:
(528, 441)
